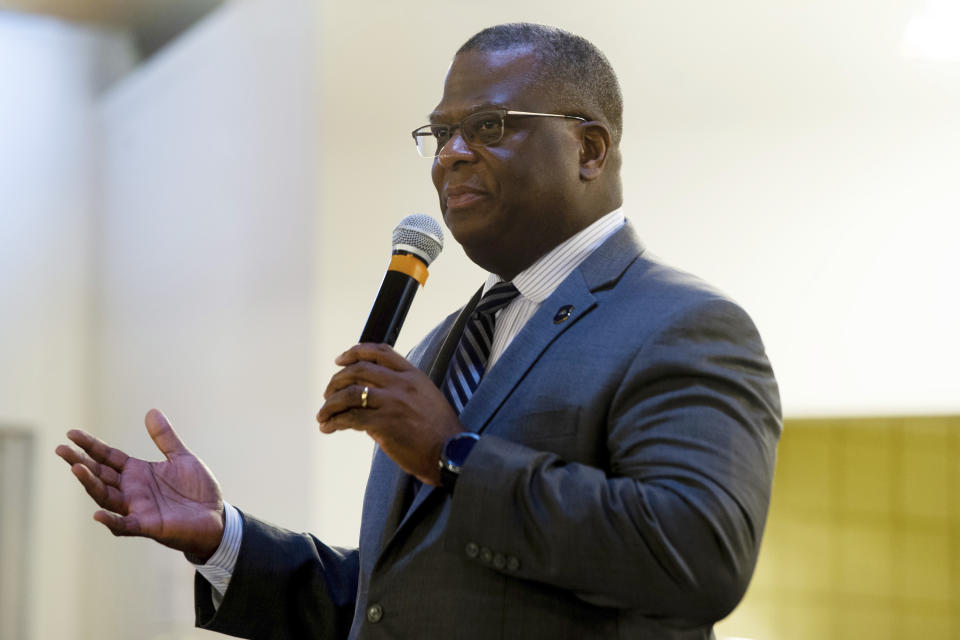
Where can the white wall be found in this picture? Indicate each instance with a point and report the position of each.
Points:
(788, 153)
(791, 155)
(51, 75)
(205, 269)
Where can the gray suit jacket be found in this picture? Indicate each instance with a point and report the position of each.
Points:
(619, 489)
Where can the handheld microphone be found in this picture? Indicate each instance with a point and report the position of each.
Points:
(417, 241)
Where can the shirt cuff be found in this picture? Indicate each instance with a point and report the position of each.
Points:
(219, 568)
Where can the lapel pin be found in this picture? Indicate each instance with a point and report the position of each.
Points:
(563, 313)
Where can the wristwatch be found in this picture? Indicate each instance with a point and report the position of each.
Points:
(453, 456)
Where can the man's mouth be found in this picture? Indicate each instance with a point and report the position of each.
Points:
(463, 200)
(463, 196)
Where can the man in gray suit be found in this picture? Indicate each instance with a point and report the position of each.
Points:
(584, 451)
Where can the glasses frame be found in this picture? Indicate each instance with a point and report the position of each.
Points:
(426, 130)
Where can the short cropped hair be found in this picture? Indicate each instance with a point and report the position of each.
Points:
(580, 76)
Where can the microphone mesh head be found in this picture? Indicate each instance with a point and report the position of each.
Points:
(419, 234)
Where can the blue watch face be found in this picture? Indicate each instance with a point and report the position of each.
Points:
(459, 447)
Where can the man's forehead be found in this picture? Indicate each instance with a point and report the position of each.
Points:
(477, 65)
(478, 80)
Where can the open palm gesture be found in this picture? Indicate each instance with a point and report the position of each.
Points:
(176, 502)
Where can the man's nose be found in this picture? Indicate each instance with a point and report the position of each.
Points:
(455, 150)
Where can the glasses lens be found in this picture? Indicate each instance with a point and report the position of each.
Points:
(479, 129)
(483, 128)
(426, 139)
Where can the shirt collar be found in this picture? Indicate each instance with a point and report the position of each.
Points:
(540, 279)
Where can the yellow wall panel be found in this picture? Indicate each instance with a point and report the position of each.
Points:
(925, 562)
(866, 473)
(862, 538)
(865, 562)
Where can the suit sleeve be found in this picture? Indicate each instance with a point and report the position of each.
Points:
(285, 585)
(670, 524)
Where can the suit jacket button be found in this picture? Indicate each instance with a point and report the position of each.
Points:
(472, 550)
(499, 561)
(486, 556)
(513, 563)
(375, 613)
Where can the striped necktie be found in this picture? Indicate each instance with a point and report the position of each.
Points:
(470, 360)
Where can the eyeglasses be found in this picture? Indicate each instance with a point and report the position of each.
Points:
(479, 129)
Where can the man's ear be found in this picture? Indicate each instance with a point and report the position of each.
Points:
(594, 149)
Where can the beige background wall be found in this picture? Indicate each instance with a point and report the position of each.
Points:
(47, 191)
(787, 151)
(207, 232)
(205, 273)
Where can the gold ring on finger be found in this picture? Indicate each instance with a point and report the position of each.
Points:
(363, 397)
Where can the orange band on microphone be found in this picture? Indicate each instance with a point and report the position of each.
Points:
(409, 265)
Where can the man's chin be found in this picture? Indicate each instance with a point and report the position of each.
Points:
(466, 221)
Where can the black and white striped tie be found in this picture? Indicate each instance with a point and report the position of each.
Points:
(470, 360)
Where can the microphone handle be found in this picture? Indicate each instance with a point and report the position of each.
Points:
(390, 308)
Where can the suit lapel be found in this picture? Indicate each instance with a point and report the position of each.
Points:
(571, 301)
(390, 483)
(600, 270)
(515, 362)
(383, 503)
(525, 349)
